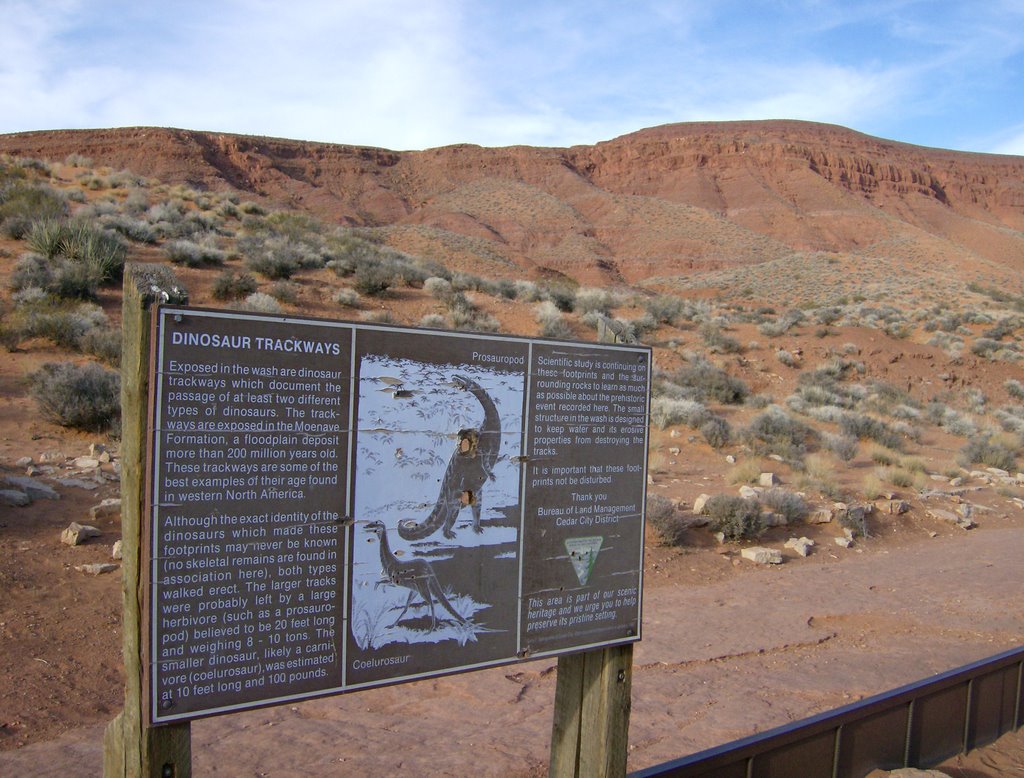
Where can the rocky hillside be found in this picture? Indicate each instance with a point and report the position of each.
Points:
(664, 206)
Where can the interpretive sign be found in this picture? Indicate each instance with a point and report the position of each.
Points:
(336, 506)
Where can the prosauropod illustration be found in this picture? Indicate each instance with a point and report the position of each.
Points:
(416, 575)
(468, 470)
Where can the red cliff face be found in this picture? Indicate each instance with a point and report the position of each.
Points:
(676, 199)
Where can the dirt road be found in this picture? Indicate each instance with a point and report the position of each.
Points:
(718, 661)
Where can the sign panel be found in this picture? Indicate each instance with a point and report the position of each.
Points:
(336, 506)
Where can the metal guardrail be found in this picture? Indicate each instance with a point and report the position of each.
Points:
(918, 725)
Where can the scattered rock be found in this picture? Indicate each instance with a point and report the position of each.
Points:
(776, 458)
(14, 498)
(116, 552)
(998, 472)
(33, 488)
(650, 479)
(76, 534)
(97, 568)
(86, 463)
(78, 483)
(963, 522)
(802, 546)
(700, 502)
(820, 516)
(958, 481)
(748, 492)
(96, 449)
(762, 555)
(111, 506)
(730, 459)
(674, 434)
(771, 519)
(720, 537)
(844, 542)
(893, 507)
(23, 462)
(673, 450)
(768, 480)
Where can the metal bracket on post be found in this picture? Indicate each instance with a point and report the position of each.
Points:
(130, 746)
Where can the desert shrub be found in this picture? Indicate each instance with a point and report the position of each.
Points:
(434, 321)
(842, 446)
(561, 296)
(348, 298)
(1014, 388)
(789, 504)
(467, 316)
(260, 303)
(776, 432)
(82, 256)
(284, 292)
(661, 514)
(552, 322)
(857, 425)
(378, 316)
(716, 432)
(104, 343)
(23, 204)
(664, 308)
(708, 382)
(781, 325)
(737, 518)
(872, 487)
(439, 288)
(592, 300)
(193, 254)
(718, 341)
(787, 358)
(746, 472)
(134, 229)
(895, 476)
(277, 257)
(1011, 418)
(527, 291)
(881, 455)
(229, 286)
(667, 412)
(988, 451)
(373, 279)
(86, 397)
(819, 474)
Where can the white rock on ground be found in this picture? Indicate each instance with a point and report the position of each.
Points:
(762, 555)
(111, 506)
(76, 534)
(97, 568)
(802, 546)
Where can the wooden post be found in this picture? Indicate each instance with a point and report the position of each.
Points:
(590, 731)
(131, 748)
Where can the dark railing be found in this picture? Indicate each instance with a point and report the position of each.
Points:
(918, 725)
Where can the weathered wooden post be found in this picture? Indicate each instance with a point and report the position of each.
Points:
(590, 732)
(130, 746)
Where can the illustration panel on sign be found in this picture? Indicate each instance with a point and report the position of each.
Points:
(437, 510)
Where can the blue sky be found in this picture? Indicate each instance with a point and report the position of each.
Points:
(412, 74)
